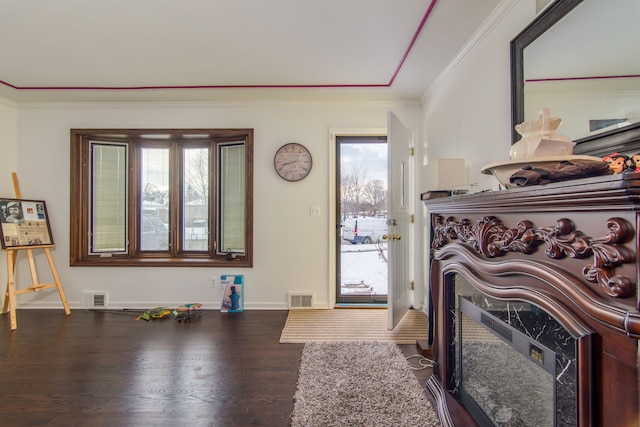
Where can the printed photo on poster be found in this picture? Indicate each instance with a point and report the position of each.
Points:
(24, 223)
(232, 293)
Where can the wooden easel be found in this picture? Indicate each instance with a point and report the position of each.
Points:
(36, 286)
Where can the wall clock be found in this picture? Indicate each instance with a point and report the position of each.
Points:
(293, 161)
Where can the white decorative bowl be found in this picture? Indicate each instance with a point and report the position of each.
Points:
(503, 170)
(540, 147)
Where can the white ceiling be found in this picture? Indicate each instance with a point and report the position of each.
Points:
(192, 50)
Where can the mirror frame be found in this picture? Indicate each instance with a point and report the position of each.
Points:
(625, 140)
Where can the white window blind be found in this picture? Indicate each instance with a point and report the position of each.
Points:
(232, 198)
(108, 197)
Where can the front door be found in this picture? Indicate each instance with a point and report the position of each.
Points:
(400, 235)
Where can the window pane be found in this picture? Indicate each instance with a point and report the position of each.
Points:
(108, 197)
(155, 199)
(232, 198)
(195, 226)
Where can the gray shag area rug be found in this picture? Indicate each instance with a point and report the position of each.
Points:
(359, 384)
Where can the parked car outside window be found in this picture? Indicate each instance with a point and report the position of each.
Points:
(155, 234)
(365, 230)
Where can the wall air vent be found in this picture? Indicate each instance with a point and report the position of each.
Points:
(300, 300)
(94, 300)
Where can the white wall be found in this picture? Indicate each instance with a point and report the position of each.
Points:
(467, 113)
(8, 145)
(291, 247)
(8, 159)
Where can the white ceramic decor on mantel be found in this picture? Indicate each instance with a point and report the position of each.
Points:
(540, 145)
(539, 138)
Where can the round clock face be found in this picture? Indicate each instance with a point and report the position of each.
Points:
(293, 161)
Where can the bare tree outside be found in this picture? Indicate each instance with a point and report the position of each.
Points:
(196, 203)
(353, 178)
(151, 193)
(361, 196)
(375, 196)
(197, 174)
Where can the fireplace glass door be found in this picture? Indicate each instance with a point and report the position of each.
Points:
(515, 365)
(499, 380)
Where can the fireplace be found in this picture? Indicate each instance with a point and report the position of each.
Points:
(514, 364)
(536, 309)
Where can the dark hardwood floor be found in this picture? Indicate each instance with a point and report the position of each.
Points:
(107, 369)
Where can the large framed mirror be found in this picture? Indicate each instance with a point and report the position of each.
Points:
(578, 59)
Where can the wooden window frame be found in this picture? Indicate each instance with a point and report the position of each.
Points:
(80, 200)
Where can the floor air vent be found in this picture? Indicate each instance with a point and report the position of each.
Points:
(94, 299)
(297, 301)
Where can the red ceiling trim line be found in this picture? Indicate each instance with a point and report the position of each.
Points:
(413, 40)
(191, 87)
(301, 86)
(557, 79)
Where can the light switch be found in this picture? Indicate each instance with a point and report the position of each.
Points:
(314, 210)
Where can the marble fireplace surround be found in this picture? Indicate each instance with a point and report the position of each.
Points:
(569, 248)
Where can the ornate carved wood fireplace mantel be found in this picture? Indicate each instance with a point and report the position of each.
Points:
(535, 294)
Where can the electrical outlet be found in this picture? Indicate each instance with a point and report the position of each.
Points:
(214, 281)
(314, 210)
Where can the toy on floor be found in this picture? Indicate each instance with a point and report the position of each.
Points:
(187, 312)
(183, 313)
(155, 313)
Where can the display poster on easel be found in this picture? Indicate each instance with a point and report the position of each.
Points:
(24, 223)
(24, 226)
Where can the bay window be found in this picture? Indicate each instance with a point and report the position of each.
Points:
(161, 197)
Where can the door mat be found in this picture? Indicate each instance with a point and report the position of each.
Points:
(347, 325)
